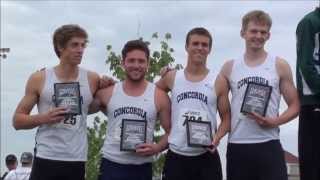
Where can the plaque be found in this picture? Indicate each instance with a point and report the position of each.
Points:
(133, 133)
(256, 98)
(199, 133)
(68, 95)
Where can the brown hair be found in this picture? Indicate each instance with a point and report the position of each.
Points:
(135, 45)
(257, 16)
(66, 32)
(199, 31)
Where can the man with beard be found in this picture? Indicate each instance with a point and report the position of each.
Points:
(139, 100)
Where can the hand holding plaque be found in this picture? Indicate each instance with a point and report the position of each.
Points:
(133, 132)
(199, 133)
(68, 95)
(256, 98)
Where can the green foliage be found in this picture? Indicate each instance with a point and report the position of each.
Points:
(158, 59)
(157, 166)
(96, 135)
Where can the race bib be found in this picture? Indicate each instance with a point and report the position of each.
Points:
(190, 115)
(70, 122)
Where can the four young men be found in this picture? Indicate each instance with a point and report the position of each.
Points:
(254, 149)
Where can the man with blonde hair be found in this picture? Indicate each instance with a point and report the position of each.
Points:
(254, 151)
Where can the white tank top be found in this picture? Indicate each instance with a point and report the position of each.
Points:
(187, 96)
(244, 129)
(122, 106)
(61, 141)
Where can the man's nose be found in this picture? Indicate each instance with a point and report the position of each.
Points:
(259, 34)
(80, 49)
(199, 46)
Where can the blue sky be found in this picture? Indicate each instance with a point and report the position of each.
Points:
(27, 27)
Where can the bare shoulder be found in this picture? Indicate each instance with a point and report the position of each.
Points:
(93, 76)
(38, 75)
(93, 79)
(280, 62)
(227, 68)
(36, 80)
(283, 67)
(160, 93)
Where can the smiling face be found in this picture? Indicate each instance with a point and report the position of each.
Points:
(198, 48)
(73, 51)
(135, 65)
(255, 35)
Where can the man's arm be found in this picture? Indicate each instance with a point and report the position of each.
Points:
(94, 82)
(166, 82)
(289, 92)
(101, 100)
(22, 118)
(223, 105)
(163, 106)
(308, 55)
(290, 95)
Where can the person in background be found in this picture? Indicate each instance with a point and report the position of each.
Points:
(308, 84)
(11, 163)
(23, 172)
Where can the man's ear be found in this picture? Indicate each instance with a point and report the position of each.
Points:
(242, 33)
(122, 63)
(60, 48)
(269, 34)
(148, 66)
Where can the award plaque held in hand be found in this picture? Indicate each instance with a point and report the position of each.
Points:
(256, 98)
(199, 133)
(133, 133)
(68, 95)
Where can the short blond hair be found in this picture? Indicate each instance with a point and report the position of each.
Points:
(257, 16)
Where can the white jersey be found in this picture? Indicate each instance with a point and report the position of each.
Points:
(122, 106)
(64, 141)
(193, 99)
(21, 173)
(244, 129)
